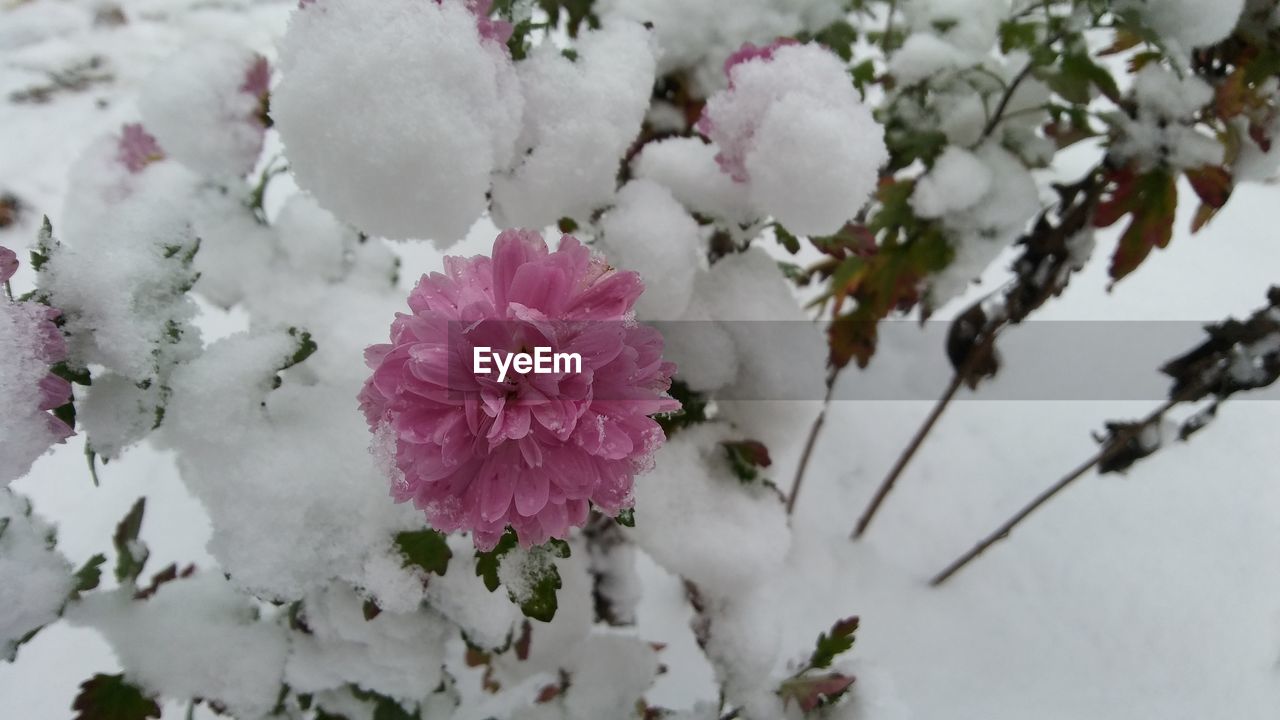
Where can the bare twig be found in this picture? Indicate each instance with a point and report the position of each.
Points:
(885, 40)
(810, 443)
(1041, 272)
(1211, 370)
(1114, 445)
(905, 457)
(1006, 98)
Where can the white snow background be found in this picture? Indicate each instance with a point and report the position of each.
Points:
(1153, 595)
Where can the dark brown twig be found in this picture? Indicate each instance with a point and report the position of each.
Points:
(886, 485)
(1117, 443)
(810, 443)
(1041, 272)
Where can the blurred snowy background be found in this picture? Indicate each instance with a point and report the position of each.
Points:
(1154, 595)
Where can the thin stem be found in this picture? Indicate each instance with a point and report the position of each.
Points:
(888, 28)
(1006, 98)
(810, 443)
(1114, 445)
(907, 453)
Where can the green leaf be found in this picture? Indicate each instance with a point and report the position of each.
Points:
(864, 75)
(557, 547)
(540, 601)
(89, 574)
(626, 518)
(44, 245)
(693, 409)
(79, 376)
(109, 697)
(833, 643)
(426, 549)
(1076, 74)
(788, 241)
(306, 347)
(839, 37)
(1018, 36)
(487, 562)
(128, 564)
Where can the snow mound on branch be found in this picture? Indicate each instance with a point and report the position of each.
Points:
(687, 168)
(394, 113)
(924, 55)
(35, 579)
(316, 242)
(195, 637)
(700, 522)
(610, 675)
(397, 655)
(1163, 131)
(793, 128)
(648, 232)
(981, 231)
(1189, 23)
(969, 25)
(121, 282)
(203, 105)
(700, 36)
(782, 354)
(486, 617)
(957, 181)
(580, 117)
(237, 252)
(278, 470)
(555, 644)
(117, 412)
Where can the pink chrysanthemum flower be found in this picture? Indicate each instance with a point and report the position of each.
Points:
(257, 82)
(732, 155)
(30, 343)
(137, 148)
(533, 451)
(750, 51)
(8, 264)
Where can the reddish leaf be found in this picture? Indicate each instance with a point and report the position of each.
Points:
(1152, 202)
(811, 693)
(1229, 98)
(1260, 136)
(1204, 214)
(1212, 184)
(1124, 40)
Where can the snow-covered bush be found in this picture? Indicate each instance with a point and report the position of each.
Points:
(400, 532)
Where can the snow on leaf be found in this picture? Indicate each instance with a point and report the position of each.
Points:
(131, 555)
(487, 562)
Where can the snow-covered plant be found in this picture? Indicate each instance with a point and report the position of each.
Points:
(772, 179)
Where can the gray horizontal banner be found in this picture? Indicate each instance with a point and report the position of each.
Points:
(743, 360)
